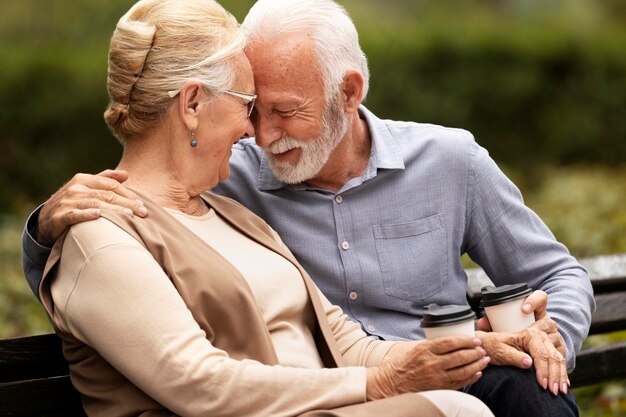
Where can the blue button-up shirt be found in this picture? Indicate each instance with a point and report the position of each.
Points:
(390, 242)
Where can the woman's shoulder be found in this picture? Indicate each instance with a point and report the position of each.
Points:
(95, 235)
(94, 251)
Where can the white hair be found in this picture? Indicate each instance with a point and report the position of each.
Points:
(336, 41)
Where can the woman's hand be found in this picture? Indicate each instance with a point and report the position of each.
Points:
(534, 345)
(82, 198)
(444, 363)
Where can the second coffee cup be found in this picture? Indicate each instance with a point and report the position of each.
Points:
(449, 320)
(503, 306)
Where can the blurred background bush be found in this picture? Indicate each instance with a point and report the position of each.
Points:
(540, 83)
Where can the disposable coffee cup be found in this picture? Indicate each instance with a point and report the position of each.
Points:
(503, 306)
(449, 320)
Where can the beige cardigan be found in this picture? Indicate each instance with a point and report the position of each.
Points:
(211, 294)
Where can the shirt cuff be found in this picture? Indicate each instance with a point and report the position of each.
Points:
(33, 250)
(34, 255)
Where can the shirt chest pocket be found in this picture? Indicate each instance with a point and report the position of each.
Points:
(413, 258)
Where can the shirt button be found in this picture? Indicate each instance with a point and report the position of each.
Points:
(338, 199)
(345, 245)
(371, 328)
(353, 295)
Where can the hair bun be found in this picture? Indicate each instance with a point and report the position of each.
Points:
(116, 113)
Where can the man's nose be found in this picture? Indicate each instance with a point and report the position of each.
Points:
(267, 130)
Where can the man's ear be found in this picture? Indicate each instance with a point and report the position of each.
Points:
(352, 91)
(189, 99)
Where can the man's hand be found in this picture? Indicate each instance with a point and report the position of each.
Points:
(533, 345)
(536, 302)
(82, 198)
(444, 363)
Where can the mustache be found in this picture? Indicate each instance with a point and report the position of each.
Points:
(285, 144)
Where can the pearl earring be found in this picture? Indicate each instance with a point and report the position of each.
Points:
(193, 142)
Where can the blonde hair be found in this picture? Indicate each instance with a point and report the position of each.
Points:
(335, 39)
(157, 46)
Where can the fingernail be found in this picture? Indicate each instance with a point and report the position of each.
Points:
(478, 375)
(527, 307)
(564, 388)
(128, 212)
(486, 359)
(527, 362)
(477, 342)
(142, 211)
(544, 383)
(138, 201)
(555, 388)
(568, 383)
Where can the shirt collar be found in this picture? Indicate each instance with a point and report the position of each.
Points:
(385, 154)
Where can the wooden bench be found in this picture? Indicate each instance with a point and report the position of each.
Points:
(34, 378)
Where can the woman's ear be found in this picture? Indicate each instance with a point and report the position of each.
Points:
(352, 90)
(188, 102)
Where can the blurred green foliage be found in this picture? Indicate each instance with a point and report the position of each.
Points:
(20, 312)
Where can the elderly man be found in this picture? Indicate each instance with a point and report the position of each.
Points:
(379, 212)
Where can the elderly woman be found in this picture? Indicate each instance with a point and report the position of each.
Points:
(200, 309)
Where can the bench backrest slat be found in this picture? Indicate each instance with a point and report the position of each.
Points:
(52, 397)
(607, 274)
(600, 364)
(31, 357)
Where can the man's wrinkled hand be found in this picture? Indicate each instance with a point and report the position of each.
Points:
(82, 198)
(444, 363)
(536, 345)
(536, 303)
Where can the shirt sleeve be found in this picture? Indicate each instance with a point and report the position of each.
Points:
(511, 243)
(34, 255)
(121, 303)
(356, 347)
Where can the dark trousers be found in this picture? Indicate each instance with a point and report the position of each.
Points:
(509, 391)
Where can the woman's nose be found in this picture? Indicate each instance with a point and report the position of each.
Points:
(249, 132)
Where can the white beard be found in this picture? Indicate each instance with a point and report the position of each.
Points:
(314, 152)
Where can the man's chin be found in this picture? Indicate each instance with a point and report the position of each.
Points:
(287, 176)
(287, 173)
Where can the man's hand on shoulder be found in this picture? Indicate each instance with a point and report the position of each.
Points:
(82, 198)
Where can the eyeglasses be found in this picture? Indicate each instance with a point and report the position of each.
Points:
(249, 98)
